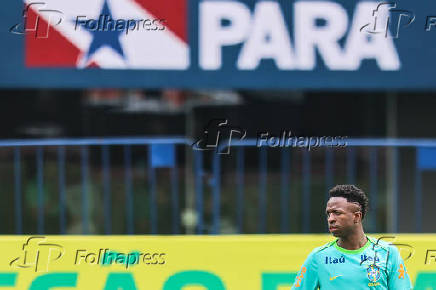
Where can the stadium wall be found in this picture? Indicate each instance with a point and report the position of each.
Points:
(175, 262)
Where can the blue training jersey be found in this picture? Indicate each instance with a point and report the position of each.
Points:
(376, 266)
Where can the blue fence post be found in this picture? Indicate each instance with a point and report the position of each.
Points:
(40, 180)
(262, 189)
(153, 202)
(329, 171)
(18, 193)
(106, 189)
(62, 197)
(425, 161)
(85, 193)
(329, 176)
(240, 188)
(198, 174)
(175, 196)
(216, 164)
(285, 189)
(306, 191)
(418, 196)
(128, 189)
(351, 165)
(373, 186)
(395, 188)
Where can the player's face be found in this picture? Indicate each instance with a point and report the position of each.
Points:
(341, 216)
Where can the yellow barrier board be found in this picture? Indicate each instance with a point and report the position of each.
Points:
(267, 262)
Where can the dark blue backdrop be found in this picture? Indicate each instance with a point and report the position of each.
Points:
(415, 47)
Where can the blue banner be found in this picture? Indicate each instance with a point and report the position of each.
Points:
(218, 44)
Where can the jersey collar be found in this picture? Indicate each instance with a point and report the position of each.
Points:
(357, 251)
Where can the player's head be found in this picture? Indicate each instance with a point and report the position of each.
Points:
(345, 209)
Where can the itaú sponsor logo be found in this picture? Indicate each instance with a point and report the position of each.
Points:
(365, 258)
(318, 27)
(334, 260)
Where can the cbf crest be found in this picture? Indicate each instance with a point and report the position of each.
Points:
(373, 273)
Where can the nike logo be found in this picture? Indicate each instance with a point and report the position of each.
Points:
(333, 278)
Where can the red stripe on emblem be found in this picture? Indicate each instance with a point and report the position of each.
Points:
(52, 51)
(172, 11)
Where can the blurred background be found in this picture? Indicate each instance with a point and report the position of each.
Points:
(56, 184)
(97, 138)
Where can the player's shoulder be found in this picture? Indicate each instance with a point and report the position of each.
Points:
(323, 248)
(382, 244)
(314, 257)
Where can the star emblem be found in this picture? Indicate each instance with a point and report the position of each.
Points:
(103, 36)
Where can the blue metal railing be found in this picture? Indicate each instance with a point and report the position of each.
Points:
(373, 144)
(84, 144)
(285, 195)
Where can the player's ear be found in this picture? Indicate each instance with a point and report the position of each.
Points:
(357, 216)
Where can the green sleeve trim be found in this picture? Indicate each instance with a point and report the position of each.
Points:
(358, 251)
(329, 244)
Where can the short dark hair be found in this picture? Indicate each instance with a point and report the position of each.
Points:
(353, 194)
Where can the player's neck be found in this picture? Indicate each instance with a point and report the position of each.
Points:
(354, 241)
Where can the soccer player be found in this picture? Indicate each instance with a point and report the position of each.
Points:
(353, 261)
